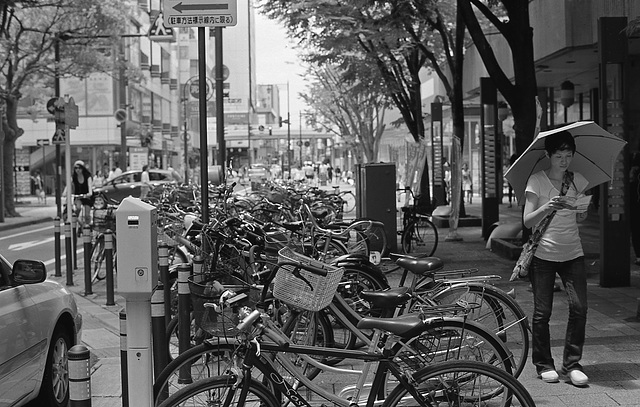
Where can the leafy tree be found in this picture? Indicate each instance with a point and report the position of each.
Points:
(30, 33)
(349, 107)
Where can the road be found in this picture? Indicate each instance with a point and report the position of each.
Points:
(34, 242)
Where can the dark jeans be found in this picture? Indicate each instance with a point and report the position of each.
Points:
(574, 279)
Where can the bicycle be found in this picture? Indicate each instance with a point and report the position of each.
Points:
(419, 236)
(104, 219)
(263, 347)
(433, 337)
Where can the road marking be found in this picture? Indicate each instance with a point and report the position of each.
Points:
(25, 233)
(62, 257)
(26, 245)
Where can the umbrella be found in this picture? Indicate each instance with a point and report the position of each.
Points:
(596, 152)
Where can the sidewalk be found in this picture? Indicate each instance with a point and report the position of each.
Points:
(611, 354)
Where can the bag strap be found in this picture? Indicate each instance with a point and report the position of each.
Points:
(567, 180)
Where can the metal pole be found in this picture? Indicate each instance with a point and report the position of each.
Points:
(222, 149)
(58, 189)
(86, 239)
(185, 134)
(56, 246)
(108, 257)
(288, 134)
(202, 84)
(74, 234)
(300, 141)
(163, 269)
(124, 369)
(68, 252)
(122, 92)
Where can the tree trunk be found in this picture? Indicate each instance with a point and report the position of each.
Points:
(11, 133)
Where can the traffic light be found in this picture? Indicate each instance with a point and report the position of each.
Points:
(279, 121)
(270, 131)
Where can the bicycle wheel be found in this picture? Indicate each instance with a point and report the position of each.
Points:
(420, 238)
(497, 311)
(221, 390)
(462, 383)
(349, 201)
(98, 267)
(208, 359)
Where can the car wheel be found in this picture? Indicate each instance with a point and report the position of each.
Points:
(54, 391)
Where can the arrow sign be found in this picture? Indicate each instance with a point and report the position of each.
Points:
(200, 7)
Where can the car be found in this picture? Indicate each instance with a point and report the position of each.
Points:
(128, 183)
(39, 323)
(258, 172)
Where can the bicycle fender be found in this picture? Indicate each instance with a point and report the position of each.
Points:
(357, 262)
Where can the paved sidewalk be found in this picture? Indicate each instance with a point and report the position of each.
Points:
(611, 354)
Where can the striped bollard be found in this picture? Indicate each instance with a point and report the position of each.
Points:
(184, 318)
(124, 375)
(108, 257)
(68, 252)
(158, 331)
(86, 240)
(74, 224)
(198, 264)
(79, 376)
(56, 246)
(163, 269)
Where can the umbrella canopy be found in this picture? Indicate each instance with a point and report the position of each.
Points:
(596, 153)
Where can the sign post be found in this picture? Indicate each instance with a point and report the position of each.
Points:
(43, 142)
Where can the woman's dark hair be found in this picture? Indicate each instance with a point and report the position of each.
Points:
(559, 141)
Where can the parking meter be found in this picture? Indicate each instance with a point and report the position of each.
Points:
(137, 229)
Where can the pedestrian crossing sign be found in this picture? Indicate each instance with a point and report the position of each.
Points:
(159, 32)
(59, 137)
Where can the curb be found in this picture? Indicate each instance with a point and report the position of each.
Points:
(28, 221)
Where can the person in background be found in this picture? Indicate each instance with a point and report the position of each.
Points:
(98, 180)
(144, 179)
(467, 183)
(39, 187)
(512, 160)
(82, 187)
(559, 252)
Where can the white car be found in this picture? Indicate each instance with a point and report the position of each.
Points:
(39, 323)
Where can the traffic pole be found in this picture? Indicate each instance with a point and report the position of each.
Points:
(74, 223)
(124, 369)
(56, 247)
(86, 240)
(79, 376)
(108, 257)
(159, 336)
(163, 268)
(69, 252)
(184, 319)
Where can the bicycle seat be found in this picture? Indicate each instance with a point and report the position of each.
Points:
(420, 266)
(405, 325)
(390, 298)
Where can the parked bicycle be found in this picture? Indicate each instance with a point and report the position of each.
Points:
(419, 236)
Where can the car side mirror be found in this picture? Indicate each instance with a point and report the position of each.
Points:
(29, 271)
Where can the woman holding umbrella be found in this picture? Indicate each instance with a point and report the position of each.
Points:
(559, 251)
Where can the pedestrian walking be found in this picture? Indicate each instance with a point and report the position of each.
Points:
(39, 187)
(512, 160)
(559, 251)
(467, 183)
(146, 182)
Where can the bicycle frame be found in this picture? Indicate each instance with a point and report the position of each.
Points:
(381, 357)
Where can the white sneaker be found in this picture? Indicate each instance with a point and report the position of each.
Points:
(578, 378)
(550, 376)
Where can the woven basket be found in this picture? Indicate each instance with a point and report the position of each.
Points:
(313, 294)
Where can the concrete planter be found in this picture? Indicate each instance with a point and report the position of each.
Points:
(507, 248)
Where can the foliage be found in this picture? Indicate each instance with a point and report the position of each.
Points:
(84, 32)
(349, 107)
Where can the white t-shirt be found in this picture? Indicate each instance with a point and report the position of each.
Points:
(561, 240)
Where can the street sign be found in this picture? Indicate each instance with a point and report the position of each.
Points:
(71, 114)
(51, 105)
(58, 137)
(200, 13)
(120, 115)
(159, 32)
(42, 142)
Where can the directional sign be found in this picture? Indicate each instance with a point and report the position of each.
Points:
(200, 13)
(42, 142)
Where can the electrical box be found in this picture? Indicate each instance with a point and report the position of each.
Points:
(137, 229)
(376, 197)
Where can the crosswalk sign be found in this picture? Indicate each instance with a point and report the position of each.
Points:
(59, 137)
(159, 32)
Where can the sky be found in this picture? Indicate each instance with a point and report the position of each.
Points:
(277, 63)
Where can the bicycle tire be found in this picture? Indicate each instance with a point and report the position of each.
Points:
(214, 390)
(420, 238)
(453, 383)
(349, 201)
(496, 310)
(207, 359)
(98, 268)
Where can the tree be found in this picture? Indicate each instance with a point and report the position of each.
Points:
(349, 107)
(30, 32)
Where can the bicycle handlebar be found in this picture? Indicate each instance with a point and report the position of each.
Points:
(308, 267)
(343, 232)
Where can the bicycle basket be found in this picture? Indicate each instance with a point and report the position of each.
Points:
(221, 320)
(167, 232)
(314, 292)
(104, 219)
